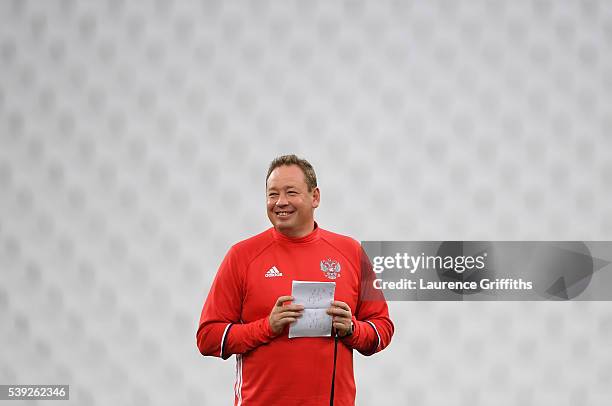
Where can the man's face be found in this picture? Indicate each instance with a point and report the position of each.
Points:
(290, 204)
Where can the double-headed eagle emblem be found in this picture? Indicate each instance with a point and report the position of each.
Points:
(331, 268)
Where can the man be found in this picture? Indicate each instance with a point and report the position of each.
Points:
(249, 307)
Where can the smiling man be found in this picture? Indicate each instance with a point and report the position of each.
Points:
(249, 308)
(292, 196)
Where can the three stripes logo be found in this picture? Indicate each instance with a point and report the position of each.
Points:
(273, 273)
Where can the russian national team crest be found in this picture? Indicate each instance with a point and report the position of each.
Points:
(331, 268)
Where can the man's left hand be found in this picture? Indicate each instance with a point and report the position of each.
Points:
(341, 317)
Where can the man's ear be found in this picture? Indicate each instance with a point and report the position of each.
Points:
(316, 198)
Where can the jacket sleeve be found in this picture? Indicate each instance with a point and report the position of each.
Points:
(221, 332)
(373, 329)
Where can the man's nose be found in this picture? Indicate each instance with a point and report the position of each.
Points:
(282, 200)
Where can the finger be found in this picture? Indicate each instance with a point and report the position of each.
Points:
(346, 323)
(280, 316)
(340, 326)
(292, 307)
(283, 299)
(338, 312)
(342, 305)
(287, 320)
(282, 309)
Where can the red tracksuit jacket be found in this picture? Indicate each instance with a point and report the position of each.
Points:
(279, 370)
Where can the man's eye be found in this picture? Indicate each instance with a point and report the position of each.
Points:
(292, 193)
(273, 195)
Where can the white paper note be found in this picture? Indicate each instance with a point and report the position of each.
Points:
(316, 297)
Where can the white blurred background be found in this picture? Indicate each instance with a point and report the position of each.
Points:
(134, 142)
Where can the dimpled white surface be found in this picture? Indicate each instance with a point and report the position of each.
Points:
(134, 141)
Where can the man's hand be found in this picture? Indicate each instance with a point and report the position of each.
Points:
(341, 317)
(281, 315)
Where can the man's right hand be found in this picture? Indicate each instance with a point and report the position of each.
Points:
(281, 315)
